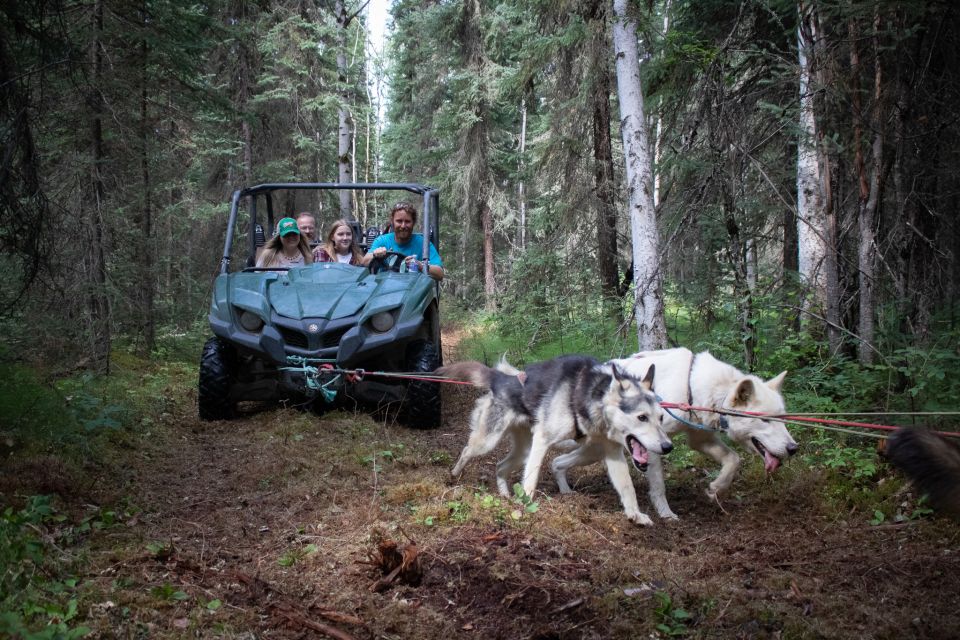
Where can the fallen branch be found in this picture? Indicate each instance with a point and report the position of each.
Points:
(297, 618)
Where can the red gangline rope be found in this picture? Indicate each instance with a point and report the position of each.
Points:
(682, 406)
(843, 423)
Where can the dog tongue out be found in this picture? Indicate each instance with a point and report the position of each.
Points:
(770, 461)
(639, 452)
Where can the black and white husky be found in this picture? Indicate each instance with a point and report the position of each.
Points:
(702, 380)
(605, 407)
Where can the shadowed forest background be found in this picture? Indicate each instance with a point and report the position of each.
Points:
(128, 125)
(805, 162)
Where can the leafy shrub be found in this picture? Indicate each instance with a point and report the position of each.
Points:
(36, 600)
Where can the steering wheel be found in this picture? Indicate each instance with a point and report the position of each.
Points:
(383, 263)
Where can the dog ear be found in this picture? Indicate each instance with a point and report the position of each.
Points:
(647, 381)
(619, 377)
(776, 383)
(744, 392)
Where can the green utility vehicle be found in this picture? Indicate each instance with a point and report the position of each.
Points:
(288, 335)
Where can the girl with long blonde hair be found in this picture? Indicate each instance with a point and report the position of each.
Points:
(339, 245)
(288, 248)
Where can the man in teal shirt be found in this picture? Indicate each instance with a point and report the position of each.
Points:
(403, 240)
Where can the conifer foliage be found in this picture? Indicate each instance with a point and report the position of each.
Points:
(802, 159)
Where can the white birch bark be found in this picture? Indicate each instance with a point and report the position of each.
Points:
(648, 304)
(345, 119)
(811, 222)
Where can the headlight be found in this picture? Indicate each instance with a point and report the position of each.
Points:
(250, 321)
(382, 322)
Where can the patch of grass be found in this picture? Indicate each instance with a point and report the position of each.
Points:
(168, 593)
(296, 555)
(37, 588)
(33, 414)
(412, 492)
(440, 458)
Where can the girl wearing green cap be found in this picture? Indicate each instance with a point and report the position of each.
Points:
(288, 248)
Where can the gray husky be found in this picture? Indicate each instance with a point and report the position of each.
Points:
(577, 397)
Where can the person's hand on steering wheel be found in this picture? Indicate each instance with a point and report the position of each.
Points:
(381, 257)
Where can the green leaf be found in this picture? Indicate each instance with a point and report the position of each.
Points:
(213, 605)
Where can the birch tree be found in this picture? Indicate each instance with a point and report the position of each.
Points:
(811, 223)
(344, 117)
(648, 303)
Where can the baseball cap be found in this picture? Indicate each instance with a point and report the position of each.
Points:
(287, 225)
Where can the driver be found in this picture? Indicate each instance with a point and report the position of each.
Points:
(404, 241)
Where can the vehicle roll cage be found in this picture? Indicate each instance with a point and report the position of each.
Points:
(430, 209)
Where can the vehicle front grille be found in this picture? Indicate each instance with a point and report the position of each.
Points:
(294, 338)
(332, 339)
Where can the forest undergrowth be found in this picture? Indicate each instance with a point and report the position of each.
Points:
(124, 516)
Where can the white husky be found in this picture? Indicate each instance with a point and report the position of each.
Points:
(703, 381)
(608, 409)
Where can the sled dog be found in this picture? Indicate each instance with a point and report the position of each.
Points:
(932, 463)
(702, 381)
(600, 404)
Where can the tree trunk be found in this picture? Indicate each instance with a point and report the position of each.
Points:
(811, 222)
(790, 254)
(603, 183)
(868, 192)
(831, 262)
(475, 149)
(648, 306)
(344, 117)
(739, 262)
(521, 187)
(98, 303)
(146, 258)
(489, 283)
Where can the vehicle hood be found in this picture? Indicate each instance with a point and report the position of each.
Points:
(326, 290)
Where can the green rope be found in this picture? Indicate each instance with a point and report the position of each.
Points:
(312, 374)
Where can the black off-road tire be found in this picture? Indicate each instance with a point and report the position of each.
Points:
(216, 378)
(421, 406)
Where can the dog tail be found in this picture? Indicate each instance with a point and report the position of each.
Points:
(505, 367)
(931, 462)
(503, 379)
(471, 371)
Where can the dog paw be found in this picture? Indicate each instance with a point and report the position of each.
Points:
(668, 515)
(714, 493)
(640, 518)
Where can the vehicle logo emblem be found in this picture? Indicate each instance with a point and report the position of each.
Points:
(313, 327)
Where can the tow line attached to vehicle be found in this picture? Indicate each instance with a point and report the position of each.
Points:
(317, 369)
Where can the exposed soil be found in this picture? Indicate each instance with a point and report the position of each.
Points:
(279, 516)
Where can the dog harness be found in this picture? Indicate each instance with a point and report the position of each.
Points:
(721, 421)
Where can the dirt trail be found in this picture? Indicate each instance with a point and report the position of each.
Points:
(275, 514)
